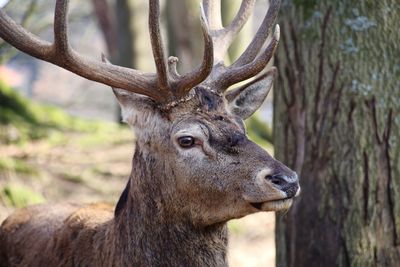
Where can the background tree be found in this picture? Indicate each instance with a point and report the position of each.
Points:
(107, 22)
(337, 123)
(121, 22)
(133, 36)
(5, 50)
(183, 32)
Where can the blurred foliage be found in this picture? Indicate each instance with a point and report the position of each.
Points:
(259, 131)
(37, 16)
(306, 6)
(74, 178)
(19, 196)
(25, 17)
(22, 120)
(24, 123)
(16, 165)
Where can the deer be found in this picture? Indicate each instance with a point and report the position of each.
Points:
(193, 167)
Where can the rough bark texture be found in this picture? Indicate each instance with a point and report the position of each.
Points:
(337, 123)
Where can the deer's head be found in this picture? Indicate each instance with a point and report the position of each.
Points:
(196, 127)
(190, 124)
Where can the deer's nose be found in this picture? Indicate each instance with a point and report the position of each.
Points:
(285, 183)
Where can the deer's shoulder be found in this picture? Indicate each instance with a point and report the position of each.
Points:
(51, 231)
(90, 216)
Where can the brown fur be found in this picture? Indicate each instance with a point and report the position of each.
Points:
(174, 209)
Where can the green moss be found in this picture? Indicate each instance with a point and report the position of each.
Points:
(17, 165)
(20, 196)
(98, 170)
(96, 139)
(13, 106)
(22, 120)
(56, 138)
(73, 178)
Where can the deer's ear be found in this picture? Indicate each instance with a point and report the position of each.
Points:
(126, 98)
(245, 100)
(132, 103)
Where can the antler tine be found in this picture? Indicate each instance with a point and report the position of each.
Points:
(212, 11)
(223, 37)
(241, 17)
(157, 45)
(17, 36)
(61, 28)
(167, 85)
(234, 75)
(262, 33)
(62, 55)
(186, 82)
(248, 64)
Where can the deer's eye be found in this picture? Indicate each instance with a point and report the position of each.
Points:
(186, 141)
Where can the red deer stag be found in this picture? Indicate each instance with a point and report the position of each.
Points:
(193, 167)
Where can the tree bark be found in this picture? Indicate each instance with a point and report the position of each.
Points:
(134, 47)
(337, 124)
(106, 18)
(184, 33)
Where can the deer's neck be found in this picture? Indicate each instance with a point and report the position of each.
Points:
(149, 233)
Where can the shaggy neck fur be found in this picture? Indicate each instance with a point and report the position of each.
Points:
(150, 230)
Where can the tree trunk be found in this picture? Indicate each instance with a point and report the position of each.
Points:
(337, 123)
(184, 33)
(120, 27)
(106, 19)
(133, 35)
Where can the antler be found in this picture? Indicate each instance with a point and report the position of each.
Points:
(251, 62)
(162, 87)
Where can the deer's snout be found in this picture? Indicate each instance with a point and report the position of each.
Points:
(286, 183)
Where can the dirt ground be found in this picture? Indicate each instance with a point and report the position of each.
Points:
(84, 168)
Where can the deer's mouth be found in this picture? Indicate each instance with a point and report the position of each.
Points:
(273, 205)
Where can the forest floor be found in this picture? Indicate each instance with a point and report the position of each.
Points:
(90, 162)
